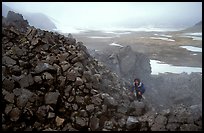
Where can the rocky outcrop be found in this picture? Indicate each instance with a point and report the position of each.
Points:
(177, 118)
(126, 63)
(16, 20)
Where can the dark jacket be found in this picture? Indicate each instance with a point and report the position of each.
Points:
(140, 88)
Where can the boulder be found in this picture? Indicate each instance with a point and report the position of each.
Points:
(108, 125)
(78, 81)
(59, 121)
(26, 80)
(51, 97)
(94, 123)
(108, 100)
(81, 121)
(41, 67)
(96, 99)
(7, 61)
(71, 76)
(14, 114)
(8, 108)
(90, 108)
(47, 76)
(24, 96)
(132, 122)
(9, 97)
(8, 84)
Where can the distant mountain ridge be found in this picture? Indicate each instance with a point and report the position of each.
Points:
(196, 28)
(45, 22)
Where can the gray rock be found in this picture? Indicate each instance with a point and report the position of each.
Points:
(160, 119)
(158, 127)
(110, 101)
(14, 114)
(87, 75)
(49, 129)
(26, 81)
(41, 67)
(94, 92)
(88, 85)
(86, 91)
(42, 112)
(189, 127)
(47, 76)
(62, 57)
(51, 97)
(121, 122)
(172, 126)
(122, 109)
(65, 66)
(137, 108)
(19, 52)
(68, 127)
(79, 99)
(61, 80)
(23, 98)
(35, 41)
(108, 125)
(9, 97)
(8, 84)
(81, 121)
(96, 100)
(94, 123)
(83, 113)
(132, 122)
(78, 81)
(104, 108)
(59, 121)
(51, 115)
(8, 61)
(75, 106)
(71, 76)
(38, 79)
(71, 99)
(67, 90)
(90, 108)
(8, 108)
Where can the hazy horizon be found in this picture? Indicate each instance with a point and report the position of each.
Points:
(115, 14)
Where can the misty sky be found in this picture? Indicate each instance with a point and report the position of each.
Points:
(93, 14)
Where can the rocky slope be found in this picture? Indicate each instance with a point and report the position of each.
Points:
(50, 82)
(163, 90)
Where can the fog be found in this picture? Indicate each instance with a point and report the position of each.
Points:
(115, 14)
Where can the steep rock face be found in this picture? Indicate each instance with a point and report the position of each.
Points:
(126, 63)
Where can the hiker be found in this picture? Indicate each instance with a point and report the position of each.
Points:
(138, 89)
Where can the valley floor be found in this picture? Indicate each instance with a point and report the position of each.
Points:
(162, 46)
